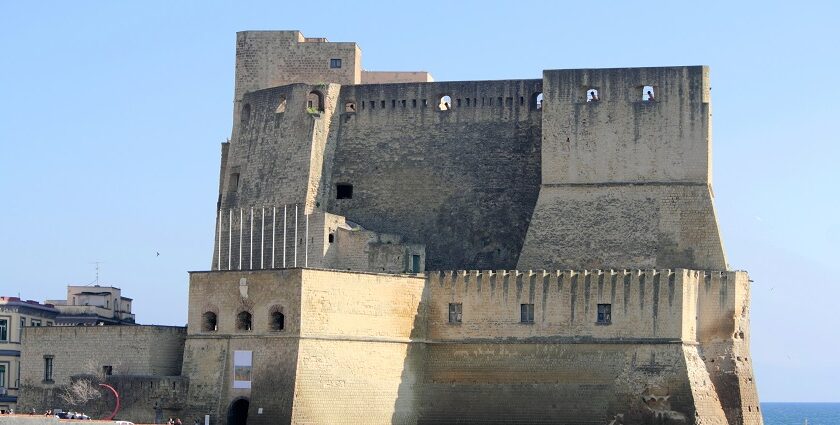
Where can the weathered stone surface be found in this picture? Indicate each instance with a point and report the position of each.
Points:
(603, 203)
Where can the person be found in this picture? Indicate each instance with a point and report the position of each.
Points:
(178, 421)
(650, 95)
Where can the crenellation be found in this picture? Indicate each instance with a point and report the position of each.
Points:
(516, 251)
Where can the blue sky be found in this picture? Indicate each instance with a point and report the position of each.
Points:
(112, 114)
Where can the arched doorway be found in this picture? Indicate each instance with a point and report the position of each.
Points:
(238, 412)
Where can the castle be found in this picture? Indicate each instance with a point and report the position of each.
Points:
(390, 249)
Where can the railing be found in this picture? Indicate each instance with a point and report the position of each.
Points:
(273, 232)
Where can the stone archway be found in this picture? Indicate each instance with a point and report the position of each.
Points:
(238, 412)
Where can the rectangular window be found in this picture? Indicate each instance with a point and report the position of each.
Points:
(335, 63)
(4, 329)
(343, 191)
(526, 313)
(48, 368)
(455, 312)
(35, 322)
(107, 370)
(3, 376)
(604, 314)
(22, 325)
(415, 264)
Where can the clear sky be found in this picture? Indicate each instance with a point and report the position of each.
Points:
(111, 116)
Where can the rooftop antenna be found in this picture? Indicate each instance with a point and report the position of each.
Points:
(96, 282)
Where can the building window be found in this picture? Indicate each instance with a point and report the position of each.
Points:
(455, 310)
(526, 313)
(335, 63)
(208, 322)
(243, 321)
(107, 370)
(604, 314)
(343, 191)
(22, 325)
(4, 329)
(48, 368)
(3, 376)
(648, 94)
(278, 321)
(35, 322)
(415, 264)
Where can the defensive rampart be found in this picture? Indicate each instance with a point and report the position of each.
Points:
(462, 180)
(626, 178)
(392, 345)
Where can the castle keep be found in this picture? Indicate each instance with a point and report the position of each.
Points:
(391, 249)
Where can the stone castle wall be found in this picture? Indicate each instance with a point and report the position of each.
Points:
(146, 366)
(369, 348)
(625, 182)
(340, 353)
(500, 178)
(462, 181)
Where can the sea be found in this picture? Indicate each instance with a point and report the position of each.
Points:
(801, 413)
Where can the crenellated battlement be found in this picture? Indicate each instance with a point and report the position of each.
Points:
(656, 304)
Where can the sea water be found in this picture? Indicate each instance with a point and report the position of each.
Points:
(799, 413)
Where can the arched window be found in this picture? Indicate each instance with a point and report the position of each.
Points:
(246, 114)
(243, 321)
(648, 94)
(445, 103)
(536, 101)
(209, 322)
(315, 102)
(592, 95)
(281, 106)
(278, 320)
